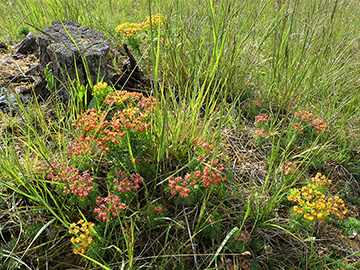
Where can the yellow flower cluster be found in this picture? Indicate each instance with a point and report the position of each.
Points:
(312, 203)
(129, 29)
(321, 180)
(155, 21)
(84, 239)
(100, 86)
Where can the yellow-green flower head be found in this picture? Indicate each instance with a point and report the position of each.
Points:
(73, 240)
(100, 86)
(128, 29)
(155, 20)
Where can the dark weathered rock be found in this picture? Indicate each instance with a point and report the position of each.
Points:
(27, 45)
(76, 53)
(64, 47)
(8, 103)
(3, 47)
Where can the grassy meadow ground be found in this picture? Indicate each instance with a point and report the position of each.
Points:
(253, 100)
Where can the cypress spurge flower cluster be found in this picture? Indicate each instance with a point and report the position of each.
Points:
(81, 146)
(75, 183)
(208, 173)
(108, 206)
(100, 92)
(82, 238)
(262, 125)
(131, 114)
(307, 119)
(288, 167)
(101, 129)
(137, 33)
(313, 203)
(126, 182)
(239, 263)
(129, 29)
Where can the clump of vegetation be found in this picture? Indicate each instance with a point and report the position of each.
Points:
(22, 32)
(223, 163)
(313, 202)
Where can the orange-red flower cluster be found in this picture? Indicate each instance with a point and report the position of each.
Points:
(299, 128)
(288, 167)
(183, 186)
(304, 115)
(257, 103)
(123, 98)
(91, 121)
(260, 132)
(209, 148)
(157, 210)
(75, 183)
(244, 237)
(240, 263)
(81, 146)
(109, 206)
(319, 125)
(211, 175)
(127, 182)
(133, 111)
(119, 97)
(262, 118)
(307, 118)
